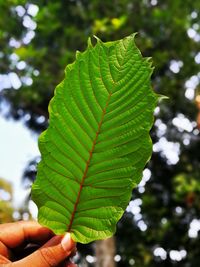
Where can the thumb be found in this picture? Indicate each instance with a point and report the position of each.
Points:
(51, 254)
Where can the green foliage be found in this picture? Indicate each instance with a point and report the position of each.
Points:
(6, 209)
(185, 184)
(8, 212)
(98, 143)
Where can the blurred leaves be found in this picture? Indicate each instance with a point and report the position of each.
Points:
(185, 184)
(108, 25)
(6, 209)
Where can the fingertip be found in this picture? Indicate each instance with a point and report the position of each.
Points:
(67, 242)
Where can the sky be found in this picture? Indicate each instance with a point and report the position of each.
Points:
(18, 146)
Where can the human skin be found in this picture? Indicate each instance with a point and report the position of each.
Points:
(27, 243)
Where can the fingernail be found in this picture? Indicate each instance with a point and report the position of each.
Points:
(67, 243)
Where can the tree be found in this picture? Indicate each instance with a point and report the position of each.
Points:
(157, 227)
(6, 209)
(9, 213)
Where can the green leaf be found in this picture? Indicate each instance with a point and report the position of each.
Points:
(97, 142)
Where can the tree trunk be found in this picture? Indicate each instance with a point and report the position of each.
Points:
(105, 253)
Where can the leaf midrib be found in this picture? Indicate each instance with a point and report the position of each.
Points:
(88, 163)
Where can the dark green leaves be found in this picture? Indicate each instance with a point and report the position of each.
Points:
(97, 143)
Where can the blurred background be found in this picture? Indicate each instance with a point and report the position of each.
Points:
(161, 226)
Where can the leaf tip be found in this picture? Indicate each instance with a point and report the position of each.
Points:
(149, 62)
(97, 38)
(134, 34)
(162, 97)
(89, 43)
(77, 53)
(148, 59)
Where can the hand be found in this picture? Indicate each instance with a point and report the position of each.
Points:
(18, 240)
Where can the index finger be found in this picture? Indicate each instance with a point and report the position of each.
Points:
(15, 234)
